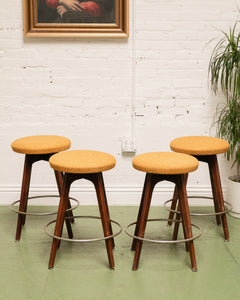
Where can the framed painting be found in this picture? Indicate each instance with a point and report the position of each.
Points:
(76, 18)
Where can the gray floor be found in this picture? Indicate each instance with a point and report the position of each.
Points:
(81, 271)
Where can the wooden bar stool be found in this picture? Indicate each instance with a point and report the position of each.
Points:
(37, 148)
(160, 166)
(205, 149)
(89, 165)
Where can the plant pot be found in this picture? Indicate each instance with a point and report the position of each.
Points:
(233, 196)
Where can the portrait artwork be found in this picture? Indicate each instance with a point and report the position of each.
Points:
(75, 18)
(76, 11)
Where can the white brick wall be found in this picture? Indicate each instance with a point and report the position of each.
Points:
(84, 89)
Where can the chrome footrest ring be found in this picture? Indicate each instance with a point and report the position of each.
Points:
(228, 209)
(163, 241)
(11, 206)
(83, 240)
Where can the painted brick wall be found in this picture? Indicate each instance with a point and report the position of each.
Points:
(96, 91)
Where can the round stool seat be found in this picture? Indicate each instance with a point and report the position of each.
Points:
(199, 145)
(41, 144)
(82, 161)
(165, 163)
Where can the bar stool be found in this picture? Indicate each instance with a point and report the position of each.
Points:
(37, 148)
(160, 166)
(205, 149)
(89, 165)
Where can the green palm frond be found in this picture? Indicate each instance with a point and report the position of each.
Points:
(224, 68)
(228, 128)
(224, 74)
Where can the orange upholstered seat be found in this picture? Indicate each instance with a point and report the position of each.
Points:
(199, 145)
(82, 161)
(165, 163)
(41, 144)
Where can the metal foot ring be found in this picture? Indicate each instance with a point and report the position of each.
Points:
(83, 240)
(42, 214)
(164, 241)
(200, 214)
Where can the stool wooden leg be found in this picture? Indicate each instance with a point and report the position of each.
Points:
(145, 206)
(104, 213)
(24, 194)
(178, 218)
(60, 219)
(181, 186)
(173, 206)
(106, 204)
(174, 202)
(217, 188)
(215, 201)
(59, 179)
(176, 227)
(139, 213)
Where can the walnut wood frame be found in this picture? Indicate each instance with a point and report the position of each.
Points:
(30, 159)
(150, 181)
(34, 29)
(212, 162)
(97, 180)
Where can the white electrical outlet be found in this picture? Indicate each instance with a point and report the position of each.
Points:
(129, 144)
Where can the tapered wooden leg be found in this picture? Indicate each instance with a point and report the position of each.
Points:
(106, 204)
(186, 218)
(104, 213)
(174, 202)
(215, 199)
(176, 225)
(24, 195)
(178, 218)
(59, 179)
(139, 213)
(217, 188)
(173, 206)
(146, 201)
(60, 219)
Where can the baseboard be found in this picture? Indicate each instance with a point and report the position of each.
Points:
(117, 195)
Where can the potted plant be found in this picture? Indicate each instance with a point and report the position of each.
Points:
(224, 73)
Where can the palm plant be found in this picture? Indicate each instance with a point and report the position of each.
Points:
(224, 73)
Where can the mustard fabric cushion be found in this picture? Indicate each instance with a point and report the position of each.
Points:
(165, 163)
(199, 145)
(41, 144)
(82, 161)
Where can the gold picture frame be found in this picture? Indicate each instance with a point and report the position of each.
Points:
(40, 20)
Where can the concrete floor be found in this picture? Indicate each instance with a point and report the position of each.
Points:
(81, 270)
